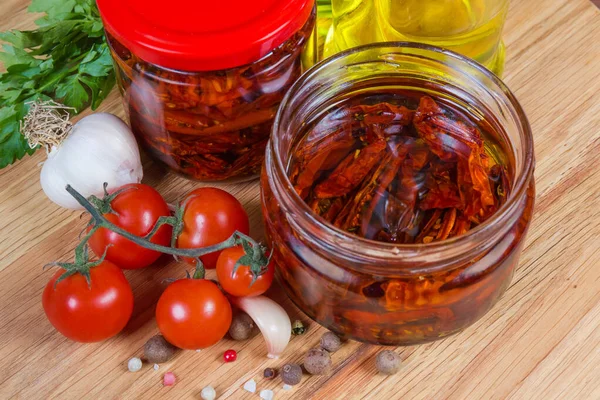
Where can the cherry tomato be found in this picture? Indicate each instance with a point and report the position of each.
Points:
(193, 314)
(89, 313)
(136, 210)
(238, 284)
(211, 216)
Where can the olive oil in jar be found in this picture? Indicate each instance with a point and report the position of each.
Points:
(470, 27)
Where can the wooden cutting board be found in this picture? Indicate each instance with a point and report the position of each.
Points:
(541, 341)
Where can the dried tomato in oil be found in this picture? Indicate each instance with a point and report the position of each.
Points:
(401, 167)
(208, 125)
(396, 144)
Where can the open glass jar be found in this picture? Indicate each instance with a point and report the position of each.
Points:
(396, 293)
(201, 81)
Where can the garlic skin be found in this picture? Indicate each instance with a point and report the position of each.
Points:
(100, 148)
(272, 320)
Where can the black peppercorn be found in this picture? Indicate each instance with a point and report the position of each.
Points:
(388, 362)
(330, 342)
(317, 362)
(291, 374)
(269, 373)
(157, 350)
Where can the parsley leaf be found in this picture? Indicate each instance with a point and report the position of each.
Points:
(72, 93)
(66, 58)
(15, 56)
(97, 62)
(15, 146)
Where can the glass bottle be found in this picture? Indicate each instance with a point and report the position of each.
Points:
(470, 27)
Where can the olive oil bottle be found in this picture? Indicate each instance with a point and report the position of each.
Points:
(469, 27)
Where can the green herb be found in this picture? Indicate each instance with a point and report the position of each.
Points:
(65, 59)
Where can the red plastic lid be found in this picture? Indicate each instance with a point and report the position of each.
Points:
(203, 35)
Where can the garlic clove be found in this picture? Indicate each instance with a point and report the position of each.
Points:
(272, 320)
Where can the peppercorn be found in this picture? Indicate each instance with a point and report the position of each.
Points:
(269, 373)
(230, 355)
(242, 326)
(134, 364)
(388, 362)
(208, 393)
(158, 350)
(169, 379)
(298, 328)
(291, 374)
(317, 362)
(331, 342)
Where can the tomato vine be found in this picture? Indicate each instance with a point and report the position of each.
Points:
(255, 257)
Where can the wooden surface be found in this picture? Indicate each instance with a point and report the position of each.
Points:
(541, 341)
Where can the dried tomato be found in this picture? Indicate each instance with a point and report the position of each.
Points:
(389, 173)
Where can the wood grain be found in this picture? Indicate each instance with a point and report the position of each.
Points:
(541, 341)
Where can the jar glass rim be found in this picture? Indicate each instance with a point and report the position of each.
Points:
(523, 175)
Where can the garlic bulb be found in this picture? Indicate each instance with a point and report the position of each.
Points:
(271, 319)
(100, 148)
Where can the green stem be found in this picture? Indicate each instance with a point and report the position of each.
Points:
(200, 271)
(235, 239)
(80, 250)
(162, 220)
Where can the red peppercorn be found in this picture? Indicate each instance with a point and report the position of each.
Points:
(230, 356)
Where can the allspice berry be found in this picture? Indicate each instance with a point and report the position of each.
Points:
(158, 350)
(269, 373)
(242, 326)
(317, 362)
(331, 342)
(291, 374)
(388, 362)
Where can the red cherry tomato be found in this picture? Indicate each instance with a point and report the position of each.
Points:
(193, 314)
(230, 356)
(89, 313)
(239, 283)
(136, 211)
(211, 216)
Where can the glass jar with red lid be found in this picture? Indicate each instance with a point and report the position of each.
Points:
(201, 81)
